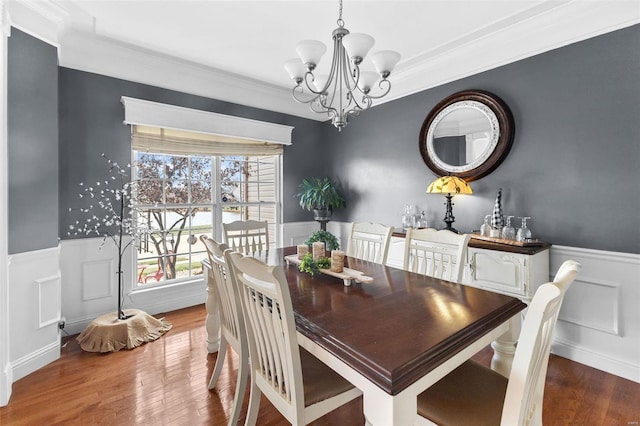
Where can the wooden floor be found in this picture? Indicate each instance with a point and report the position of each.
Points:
(165, 383)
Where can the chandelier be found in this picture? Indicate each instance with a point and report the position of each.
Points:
(346, 90)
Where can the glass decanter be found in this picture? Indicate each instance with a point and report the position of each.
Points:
(422, 221)
(524, 233)
(508, 231)
(485, 229)
(409, 217)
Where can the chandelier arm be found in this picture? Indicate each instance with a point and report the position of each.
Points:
(385, 91)
(308, 85)
(299, 90)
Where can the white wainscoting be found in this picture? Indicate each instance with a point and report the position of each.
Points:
(34, 310)
(598, 322)
(295, 233)
(90, 285)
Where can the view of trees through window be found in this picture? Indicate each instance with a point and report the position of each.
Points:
(181, 197)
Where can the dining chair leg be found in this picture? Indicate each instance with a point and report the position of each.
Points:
(241, 387)
(222, 354)
(254, 404)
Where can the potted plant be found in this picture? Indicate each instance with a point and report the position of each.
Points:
(321, 196)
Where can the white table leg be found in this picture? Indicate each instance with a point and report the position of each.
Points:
(212, 320)
(382, 409)
(504, 347)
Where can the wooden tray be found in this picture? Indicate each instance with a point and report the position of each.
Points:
(348, 276)
(533, 243)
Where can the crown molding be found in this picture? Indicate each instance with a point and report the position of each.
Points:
(545, 26)
(100, 55)
(537, 30)
(41, 19)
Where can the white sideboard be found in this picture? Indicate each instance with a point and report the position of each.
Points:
(501, 268)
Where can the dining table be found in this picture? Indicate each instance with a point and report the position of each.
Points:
(393, 333)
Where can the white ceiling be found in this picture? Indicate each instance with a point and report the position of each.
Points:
(439, 41)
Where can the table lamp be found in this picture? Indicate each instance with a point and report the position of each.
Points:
(449, 185)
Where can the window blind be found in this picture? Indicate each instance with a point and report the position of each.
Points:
(172, 141)
(171, 129)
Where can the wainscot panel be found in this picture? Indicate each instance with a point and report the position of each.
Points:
(34, 310)
(90, 285)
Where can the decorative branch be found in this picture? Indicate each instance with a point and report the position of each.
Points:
(111, 215)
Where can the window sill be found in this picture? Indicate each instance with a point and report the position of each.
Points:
(168, 287)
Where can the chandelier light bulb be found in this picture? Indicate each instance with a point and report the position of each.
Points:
(357, 46)
(385, 61)
(310, 52)
(367, 80)
(296, 69)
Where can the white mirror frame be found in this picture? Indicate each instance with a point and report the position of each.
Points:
(493, 141)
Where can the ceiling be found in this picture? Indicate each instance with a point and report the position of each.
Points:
(246, 42)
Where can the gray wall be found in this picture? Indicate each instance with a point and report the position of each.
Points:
(574, 166)
(32, 122)
(91, 123)
(576, 111)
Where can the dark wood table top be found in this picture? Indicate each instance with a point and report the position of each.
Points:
(398, 328)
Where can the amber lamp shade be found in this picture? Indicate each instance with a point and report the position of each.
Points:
(449, 185)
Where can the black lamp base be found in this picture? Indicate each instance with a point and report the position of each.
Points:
(448, 217)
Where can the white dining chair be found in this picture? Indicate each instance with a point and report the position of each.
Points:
(246, 236)
(298, 384)
(369, 241)
(440, 254)
(232, 328)
(476, 395)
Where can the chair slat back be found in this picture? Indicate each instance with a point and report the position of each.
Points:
(439, 254)
(231, 316)
(248, 236)
(369, 241)
(271, 330)
(525, 390)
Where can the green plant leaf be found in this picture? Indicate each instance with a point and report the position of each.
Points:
(319, 193)
(326, 237)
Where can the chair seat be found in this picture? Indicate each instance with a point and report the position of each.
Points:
(320, 382)
(470, 395)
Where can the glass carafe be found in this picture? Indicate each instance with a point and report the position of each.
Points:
(409, 217)
(524, 233)
(485, 229)
(508, 231)
(422, 221)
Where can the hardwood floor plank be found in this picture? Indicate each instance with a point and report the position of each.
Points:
(165, 383)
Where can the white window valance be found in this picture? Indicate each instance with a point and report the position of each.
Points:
(160, 140)
(153, 114)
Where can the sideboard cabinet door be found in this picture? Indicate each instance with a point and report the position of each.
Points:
(509, 273)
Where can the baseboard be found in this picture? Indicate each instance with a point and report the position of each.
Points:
(151, 306)
(35, 360)
(598, 361)
(6, 379)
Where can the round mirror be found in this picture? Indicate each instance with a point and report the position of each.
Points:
(468, 135)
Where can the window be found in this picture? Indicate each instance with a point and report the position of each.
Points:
(181, 197)
(193, 171)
